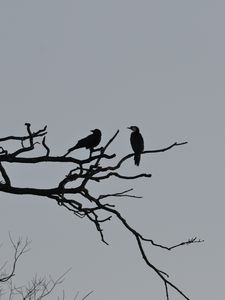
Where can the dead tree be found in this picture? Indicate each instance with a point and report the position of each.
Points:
(38, 288)
(91, 169)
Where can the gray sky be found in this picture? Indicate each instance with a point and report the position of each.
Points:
(79, 65)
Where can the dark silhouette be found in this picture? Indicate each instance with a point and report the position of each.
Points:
(137, 143)
(75, 182)
(89, 142)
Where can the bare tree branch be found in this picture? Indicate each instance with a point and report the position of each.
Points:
(20, 248)
(88, 294)
(38, 133)
(45, 146)
(4, 175)
(120, 194)
(38, 288)
(76, 182)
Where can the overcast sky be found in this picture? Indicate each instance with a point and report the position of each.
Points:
(80, 65)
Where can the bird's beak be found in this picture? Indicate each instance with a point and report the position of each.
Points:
(92, 130)
(128, 127)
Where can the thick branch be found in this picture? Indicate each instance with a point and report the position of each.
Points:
(57, 159)
(38, 192)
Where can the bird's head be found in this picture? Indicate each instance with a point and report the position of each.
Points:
(96, 131)
(134, 128)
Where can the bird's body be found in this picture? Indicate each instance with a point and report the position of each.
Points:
(137, 144)
(89, 142)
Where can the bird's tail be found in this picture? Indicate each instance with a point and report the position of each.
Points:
(71, 149)
(137, 158)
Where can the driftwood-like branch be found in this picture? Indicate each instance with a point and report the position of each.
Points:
(85, 171)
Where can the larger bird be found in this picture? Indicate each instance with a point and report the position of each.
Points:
(137, 143)
(89, 142)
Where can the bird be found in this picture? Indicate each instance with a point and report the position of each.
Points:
(137, 143)
(89, 142)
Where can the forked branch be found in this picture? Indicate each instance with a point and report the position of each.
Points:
(20, 247)
(76, 182)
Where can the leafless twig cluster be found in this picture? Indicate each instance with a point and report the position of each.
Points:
(38, 288)
(20, 247)
(91, 169)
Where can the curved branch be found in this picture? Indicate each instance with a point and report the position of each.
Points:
(188, 242)
(46, 147)
(139, 237)
(118, 165)
(88, 169)
(120, 176)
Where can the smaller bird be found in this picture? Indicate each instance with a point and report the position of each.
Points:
(89, 142)
(137, 143)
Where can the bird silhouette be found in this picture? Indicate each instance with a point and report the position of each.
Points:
(89, 142)
(137, 143)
